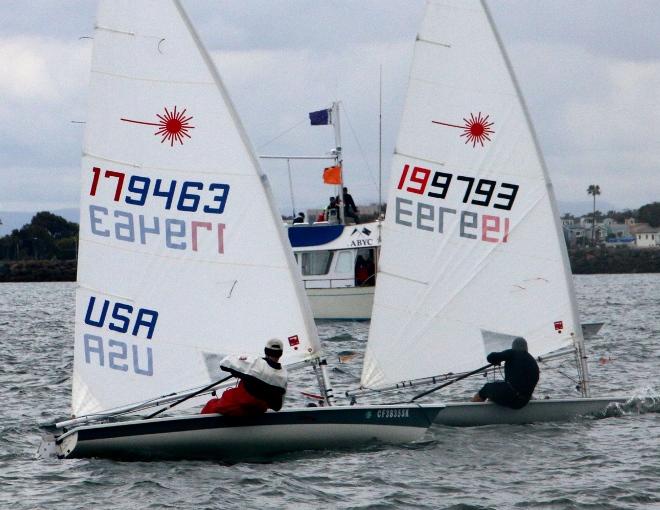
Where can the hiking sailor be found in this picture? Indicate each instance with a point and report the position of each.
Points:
(521, 373)
(261, 386)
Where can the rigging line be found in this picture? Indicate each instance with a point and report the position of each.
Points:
(188, 397)
(448, 380)
(357, 141)
(281, 134)
(570, 378)
(474, 372)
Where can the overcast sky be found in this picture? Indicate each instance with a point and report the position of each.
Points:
(589, 70)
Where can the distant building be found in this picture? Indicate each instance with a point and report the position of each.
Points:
(568, 220)
(613, 242)
(579, 231)
(647, 237)
(586, 221)
(575, 235)
(619, 230)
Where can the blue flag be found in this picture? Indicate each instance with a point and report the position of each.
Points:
(320, 118)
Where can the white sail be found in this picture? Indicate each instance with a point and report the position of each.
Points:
(472, 253)
(182, 257)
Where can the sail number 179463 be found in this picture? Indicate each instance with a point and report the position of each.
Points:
(185, 196)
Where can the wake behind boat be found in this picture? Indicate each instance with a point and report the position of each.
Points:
(183, 261)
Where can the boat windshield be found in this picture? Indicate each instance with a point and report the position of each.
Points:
(315, 262)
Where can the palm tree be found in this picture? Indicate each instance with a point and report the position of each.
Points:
(593, 189)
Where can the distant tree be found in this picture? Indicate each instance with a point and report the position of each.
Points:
(593, 189)
(47, 236)
(36, 241)
(650, 213)
(66, 249)
(619, 216)
(56, 226)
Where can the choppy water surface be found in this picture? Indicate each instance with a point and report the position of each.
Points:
(604, 464)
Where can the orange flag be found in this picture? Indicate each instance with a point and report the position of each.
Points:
(332, 175)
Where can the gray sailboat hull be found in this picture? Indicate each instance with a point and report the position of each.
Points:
(474, 414)
(225, 438)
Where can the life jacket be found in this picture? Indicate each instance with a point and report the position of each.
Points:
(263, 379)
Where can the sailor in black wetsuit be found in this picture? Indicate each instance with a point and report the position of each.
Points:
(521, 373)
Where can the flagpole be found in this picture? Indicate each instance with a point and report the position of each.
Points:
(338, 158)
(293, 203)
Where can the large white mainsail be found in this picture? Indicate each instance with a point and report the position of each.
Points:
(182, 257)
(472, 252)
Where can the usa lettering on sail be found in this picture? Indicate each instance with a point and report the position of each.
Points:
(117, 350)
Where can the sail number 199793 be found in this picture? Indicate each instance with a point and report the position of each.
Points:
(451, 189)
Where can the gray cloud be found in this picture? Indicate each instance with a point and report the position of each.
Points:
(589, 71)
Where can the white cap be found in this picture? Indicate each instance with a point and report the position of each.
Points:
(275, 344)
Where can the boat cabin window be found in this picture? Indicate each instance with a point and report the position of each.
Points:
(365, 267)
(344, 263)
(315, 262)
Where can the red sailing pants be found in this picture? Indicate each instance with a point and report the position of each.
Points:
(236, 402)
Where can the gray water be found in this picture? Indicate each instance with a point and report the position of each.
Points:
(592, 463)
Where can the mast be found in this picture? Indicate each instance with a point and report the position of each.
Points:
(135, 79)
(380, 142)
(578, 339)
(432, 303)
(293, 203)
(338, 158)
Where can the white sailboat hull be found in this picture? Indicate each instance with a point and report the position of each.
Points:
(474, 414)
(348, 303)
(225, 438)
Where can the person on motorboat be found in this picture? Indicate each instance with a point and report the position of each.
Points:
(332, 211)
(300, 218)
(350, 209)
(521, 373)
(261, 384)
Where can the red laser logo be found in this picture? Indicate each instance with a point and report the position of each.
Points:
(173, 126)
(475, 130)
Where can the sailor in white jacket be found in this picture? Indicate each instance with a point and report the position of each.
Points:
(261, 386)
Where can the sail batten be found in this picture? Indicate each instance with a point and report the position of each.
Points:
(481, 228)
(182, 258)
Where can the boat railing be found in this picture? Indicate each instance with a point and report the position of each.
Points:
(329, 283)
(338, 283)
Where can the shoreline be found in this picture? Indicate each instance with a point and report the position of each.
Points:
(599, 260)
(27, 271)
